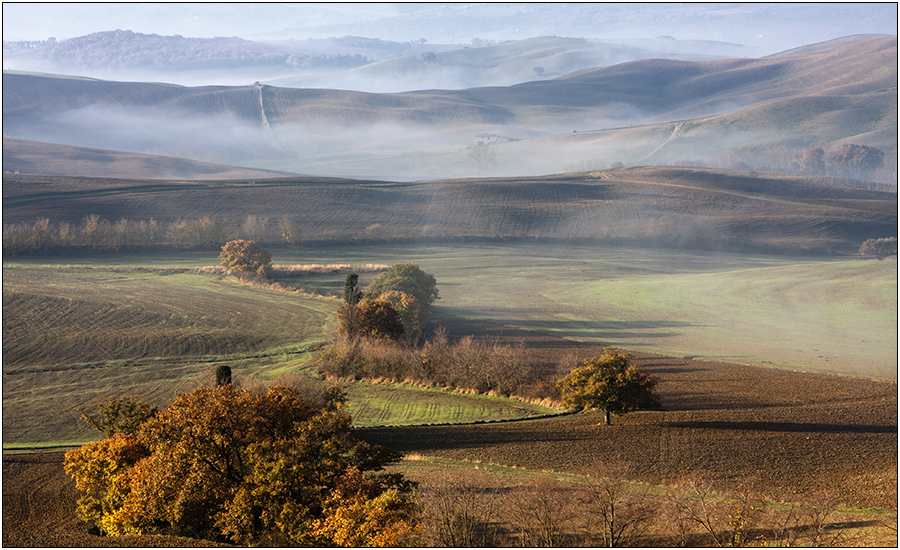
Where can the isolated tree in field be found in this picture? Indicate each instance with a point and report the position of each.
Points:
(406, 278)
(288, 230)
(814, 161)
(227, 464)
(483, 157)
(858, 161)
(246, 257)
(610, 383)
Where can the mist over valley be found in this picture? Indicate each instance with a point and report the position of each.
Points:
(420, 224)
(751, 113)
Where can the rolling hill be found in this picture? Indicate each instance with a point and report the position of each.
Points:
(817, 97)
(651, 206)
(34, 157)
(505, 64)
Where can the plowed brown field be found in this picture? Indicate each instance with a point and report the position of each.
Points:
(797, 433)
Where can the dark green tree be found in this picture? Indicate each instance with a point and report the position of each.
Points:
(223, 375)
(352, 293)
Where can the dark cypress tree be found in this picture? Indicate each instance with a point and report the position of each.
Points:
(223, 375)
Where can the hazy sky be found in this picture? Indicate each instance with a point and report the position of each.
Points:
(771, 27)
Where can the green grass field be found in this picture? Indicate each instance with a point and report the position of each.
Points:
(75, 333)
(804, 313)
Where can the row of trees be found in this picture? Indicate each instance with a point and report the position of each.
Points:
(879, 247)
(606, 510)
(850, 160)
(488, 367)
(95, 234)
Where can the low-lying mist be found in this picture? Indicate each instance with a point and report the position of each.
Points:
(396, 151)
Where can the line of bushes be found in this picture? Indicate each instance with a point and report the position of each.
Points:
(468, 364)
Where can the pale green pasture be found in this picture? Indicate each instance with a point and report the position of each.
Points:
(814, 314)
(811, 314)
(120, 341)
(403, 405)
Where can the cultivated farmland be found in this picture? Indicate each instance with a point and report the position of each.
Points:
(674, 264)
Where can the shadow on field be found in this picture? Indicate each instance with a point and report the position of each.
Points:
(784, 427)
(607, 330)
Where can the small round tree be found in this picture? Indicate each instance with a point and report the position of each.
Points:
(408, 278)
(246, 257)
(610, 383)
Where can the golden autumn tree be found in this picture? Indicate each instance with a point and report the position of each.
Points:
(246, 257)
(370, 319)
(226, 464)
(611, 383)
(413, 314)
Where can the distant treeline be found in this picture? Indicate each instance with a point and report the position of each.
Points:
(133, 50)
(97, 235)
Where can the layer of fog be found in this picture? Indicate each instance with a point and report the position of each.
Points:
(407, 152)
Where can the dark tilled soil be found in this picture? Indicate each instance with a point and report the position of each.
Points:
(795, 433)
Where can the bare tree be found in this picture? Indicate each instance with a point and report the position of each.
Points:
(255, 227)
(542, 513)
(483, 157)
(730, 519)
(460, 513)
(614, 515)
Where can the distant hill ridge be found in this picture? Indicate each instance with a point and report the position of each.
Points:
(33, 157)
(658, 86)
(125, 49)
(821, 96)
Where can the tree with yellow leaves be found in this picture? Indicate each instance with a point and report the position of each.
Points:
(611, 383)
(226, 464)
(246, 257)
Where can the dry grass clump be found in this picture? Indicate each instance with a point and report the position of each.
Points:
(300, 269)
